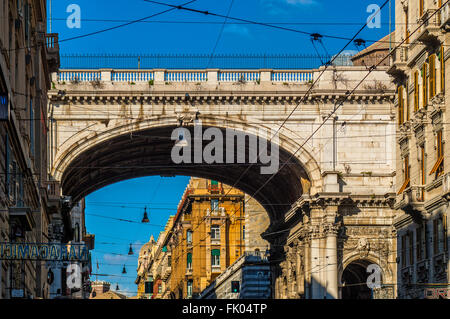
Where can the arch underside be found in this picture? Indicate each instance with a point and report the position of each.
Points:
(148, 152)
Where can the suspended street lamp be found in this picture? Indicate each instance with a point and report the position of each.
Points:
(124, 270)
(145, 218)
(130, 252)
(117, 287)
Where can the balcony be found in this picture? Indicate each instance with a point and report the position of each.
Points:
(445, 17)
(399, 58)
(52, 45)
(189, 271)
(430, 30)
(166, 271)
(24, 216)
(411, 201)
(446, 185)
(218, 212)
(440, 267)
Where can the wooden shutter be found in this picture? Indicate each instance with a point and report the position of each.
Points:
(416, 91)
(400, 105)
(432, 76)
(441, 58)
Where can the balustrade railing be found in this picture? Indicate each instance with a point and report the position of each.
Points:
(185, 76)
(132, 76)
(195, 76)
(238, 76)
(292, 76)
(79, 76)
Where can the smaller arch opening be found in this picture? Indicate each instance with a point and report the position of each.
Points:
(354, 280)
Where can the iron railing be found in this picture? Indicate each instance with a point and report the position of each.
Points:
(199, 61)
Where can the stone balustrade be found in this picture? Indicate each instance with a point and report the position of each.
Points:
(191, 76)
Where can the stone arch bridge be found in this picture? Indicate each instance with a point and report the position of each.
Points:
(110, 125)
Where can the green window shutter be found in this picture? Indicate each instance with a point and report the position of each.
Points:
(164, 249)
(189, 258)
(214, 183)
(215, 252)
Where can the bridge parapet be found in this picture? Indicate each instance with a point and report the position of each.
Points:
(193, 76)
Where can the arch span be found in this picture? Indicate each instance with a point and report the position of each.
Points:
(91, 166)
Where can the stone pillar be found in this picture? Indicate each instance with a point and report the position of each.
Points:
(106, 75)
(265, 75)
(213, 76)
(159, 76)
(316, 282)
(331, 260)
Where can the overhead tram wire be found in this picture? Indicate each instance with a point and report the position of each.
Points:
(337, 107)
(372, 68)
(219, 35)
(265, 24)
(107, 29)
(307, 93)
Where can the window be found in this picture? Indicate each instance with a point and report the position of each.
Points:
(422, 169)
(401, 105)
(416, 91)
(169, 261)
(31, 128)
(419, 243)
(424, 85)
(189, 261)
(215, 258)
(407, 99)
(435, 236)
(160, 288)
(189, 288)
(444, 232)
(148, 286)
(432, 75)
(438, 167)
(411, 248)
(215, 232)
(214, 205)
(406, 174)
(403, 250)
(441, 59)
(406, 25)
(189, 236)
(243, 232)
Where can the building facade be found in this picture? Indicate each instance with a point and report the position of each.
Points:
(28, 56)
(206, 236)
(421, 73)
(248, 277)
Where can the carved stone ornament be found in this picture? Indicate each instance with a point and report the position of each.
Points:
(363, 247)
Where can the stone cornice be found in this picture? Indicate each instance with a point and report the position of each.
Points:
(216, 96)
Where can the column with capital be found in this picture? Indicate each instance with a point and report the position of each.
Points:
(331, 260)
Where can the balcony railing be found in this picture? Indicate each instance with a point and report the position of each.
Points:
(445, 15)
(51, 41)
(186, 76)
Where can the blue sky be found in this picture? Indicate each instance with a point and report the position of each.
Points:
(126, 200)
(181, 32)
(162, 35)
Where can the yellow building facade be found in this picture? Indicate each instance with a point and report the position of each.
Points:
(207, 236)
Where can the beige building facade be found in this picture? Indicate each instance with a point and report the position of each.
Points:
(28, 56)
(421, 71)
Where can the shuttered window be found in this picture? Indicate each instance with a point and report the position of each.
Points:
(442, 62)
(438, 167)
(406, 174)
(432, 75)
(419, 243)
(425, 85)
(189, 261)
(401, 105)
(416, 91)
